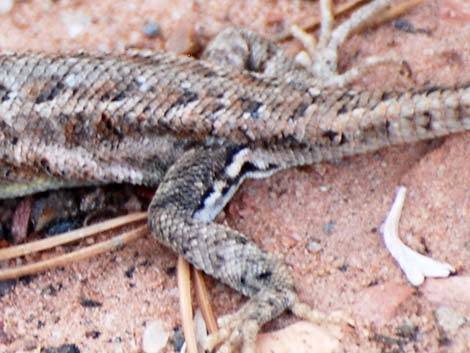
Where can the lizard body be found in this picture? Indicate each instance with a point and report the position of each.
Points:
(100, 118)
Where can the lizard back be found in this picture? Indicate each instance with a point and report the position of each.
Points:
(127, 117)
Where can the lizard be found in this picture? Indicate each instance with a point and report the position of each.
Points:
(197, 129)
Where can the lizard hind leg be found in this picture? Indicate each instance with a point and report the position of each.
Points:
(190, 195)
(241, 49)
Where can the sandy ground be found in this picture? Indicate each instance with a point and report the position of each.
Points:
(323, 220)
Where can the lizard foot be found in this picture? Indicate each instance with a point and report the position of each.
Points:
(322, 58)
(242, 327)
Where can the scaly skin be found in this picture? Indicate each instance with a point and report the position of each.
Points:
(98, 118)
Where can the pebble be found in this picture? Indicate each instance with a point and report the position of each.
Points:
(448, 319)
(6, 286)
(314, 246)
(6, 6)
(182, 39)
(76, 23)
(65, 348)
(301, 337)
(152, 29)
(329, 227)
(155, 337)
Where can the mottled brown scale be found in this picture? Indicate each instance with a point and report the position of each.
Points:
(108, 98)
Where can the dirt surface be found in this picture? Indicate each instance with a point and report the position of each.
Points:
(323, 220)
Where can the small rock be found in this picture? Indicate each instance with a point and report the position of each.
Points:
(200, 330)
(314, 246)
(3, 335)
(76, 23)
(65, 348)
(6, 286)
(6, 6)
(329, 227)
(90, 303)
(29, 343)
(182, 39)
(94, 334)
(130, 271)
(408, 330)
(152, 29)
(177, 339)
(155, 337)
(448, 319)
(379, 303)
(404, 25)
(451, 292)
(301, 337)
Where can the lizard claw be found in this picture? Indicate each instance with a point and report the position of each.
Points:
(321, 57)
(306, 312)
(241, 328)
(233, 335)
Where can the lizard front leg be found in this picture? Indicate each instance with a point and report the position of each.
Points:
(192, 192)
